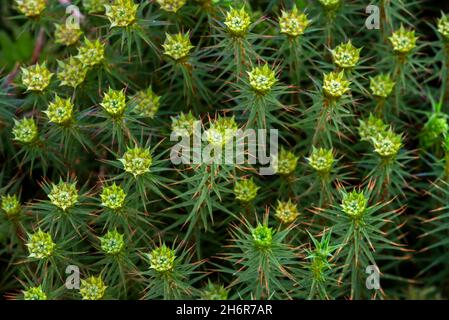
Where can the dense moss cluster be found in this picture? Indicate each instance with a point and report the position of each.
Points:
(115, 117)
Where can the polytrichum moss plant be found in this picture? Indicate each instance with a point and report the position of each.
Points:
(96, 103)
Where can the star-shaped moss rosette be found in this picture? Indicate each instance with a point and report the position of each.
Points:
(31, 8)
(40, 245)
(67, 34)
(114, 103)
(34, 293)
(262, 79)
(321, 160)
(403, 41)
(36, 77)
(330, 5)
(387, 144)
(10, 205)
(443, 27)
(112, 242)
(245, 190)
(262, 236)
(177, 46)
(320, 256)
(165, 194)
(63, 195)
(122, 13)
(25, 130)
(95, 6)
(354, 204)
(184, 124)
(71, 72)
(286, 211)
(92, 288)
(162, 259)
(346, 56)
(237, 22)
(214, 291)
(335, 85)
(318, 266)
(293, 23)
(171, 5)
(137, 161)
(91, 53)
(323, 249)
(60, 111)
(371, 127)
(113, 197)
(221, 131)
(146, 103)
(435, 129)
(285, 162)
(382, 85)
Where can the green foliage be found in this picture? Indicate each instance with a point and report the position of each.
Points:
(91, 119)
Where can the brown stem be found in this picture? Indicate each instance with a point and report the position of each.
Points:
(383, 19)
(39, 46)
(446, 87)
(10, 77)
(380, 107)
(321, 122)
